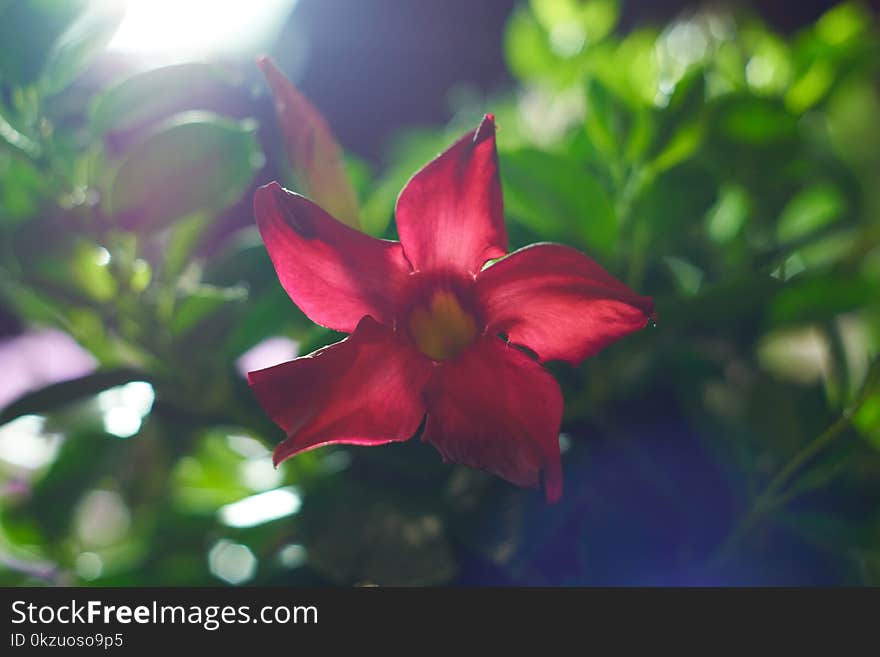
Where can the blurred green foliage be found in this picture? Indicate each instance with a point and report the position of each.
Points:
(730, 172)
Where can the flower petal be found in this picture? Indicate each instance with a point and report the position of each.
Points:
(558, 302)
(450, 214)
(312, 150)
(364, 390)
(334, 273)
(496, 409)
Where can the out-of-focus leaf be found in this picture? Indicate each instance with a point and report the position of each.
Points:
(826, 530)
(27, 31)
(272, 314)
(205, 480)
(21, 189)
(756, 121)
(61, 394)
(681, 126)
(197, 162)
(828, 250)
(606, 119)
(527, 48)
(312, 150)
(727, 217)
(557, 197)
(820, 298)
(851, 113)
(674, 201)
(682, 145)
(845, 22)
(17, 140)
(687, 276)
(810, 87)
(769, 68)
(201, 302)
(182, 238)
(156, 93)
(80, 43)
(572, 24)
(867, 420)
(141, 275)
(89, 270)
(809, 211)
(720, 305)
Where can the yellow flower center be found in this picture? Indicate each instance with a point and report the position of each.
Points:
(442, 328)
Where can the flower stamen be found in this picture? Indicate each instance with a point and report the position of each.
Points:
(442, 328)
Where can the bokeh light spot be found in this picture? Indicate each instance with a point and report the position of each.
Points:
(261, 508)
(232, 562)
(124, 407)
(25, 444)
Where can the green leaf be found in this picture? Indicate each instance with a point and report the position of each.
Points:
(769, 67)
(207, 479)
(182, 239)
(272, 314)
(845, 22)
(557, 197)
(867, 420)
(809, 211)
(527, 49)
(22, 188)
(201, 302)
(156, 93)
(79, 44)
(198, 162)
(88, 269)
(688, 277)
(681, 146)
(681, 126)
(57, 395)
(27, 31)
(727, 217)
(604, 119)
(669, 205)
(572, 24)
(756, 121)
(17, 140)
(820, 298)
(811, 87)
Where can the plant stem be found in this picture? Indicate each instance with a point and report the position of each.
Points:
(768, 499)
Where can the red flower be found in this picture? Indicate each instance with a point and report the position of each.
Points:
(434, 334)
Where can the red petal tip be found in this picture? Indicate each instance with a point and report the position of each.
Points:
(277, 458)
(486, 128)
(273, 187)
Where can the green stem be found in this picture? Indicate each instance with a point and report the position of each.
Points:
(768, 499)
(802, 457)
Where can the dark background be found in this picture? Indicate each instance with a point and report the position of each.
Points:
(389, 63)
(670, 437)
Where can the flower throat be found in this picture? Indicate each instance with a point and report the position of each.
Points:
(441, 328)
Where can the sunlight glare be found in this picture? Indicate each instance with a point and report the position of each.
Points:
(261, 508)
(191, 29)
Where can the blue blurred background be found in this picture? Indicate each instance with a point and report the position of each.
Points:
(721, 158)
